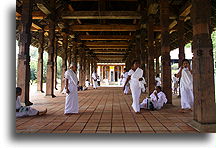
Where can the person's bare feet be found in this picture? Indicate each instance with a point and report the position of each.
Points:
(182, 111)
(42, 112)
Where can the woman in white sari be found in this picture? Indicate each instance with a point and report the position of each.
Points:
(186, 86)
(134, 76)
(71, 102)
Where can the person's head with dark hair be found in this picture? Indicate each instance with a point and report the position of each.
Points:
(87, 80)
(135, 64)
(157, 75)
(175, 75)
(185, 63)
(18, 91)
(158, 89)
(124, 70)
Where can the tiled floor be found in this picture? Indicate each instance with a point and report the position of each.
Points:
(105, 110)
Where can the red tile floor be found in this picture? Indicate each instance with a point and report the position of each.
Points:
(105, 110)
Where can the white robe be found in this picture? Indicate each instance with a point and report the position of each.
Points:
(186, 88)
(142, 84)
(71, 102)
(94, 79)
(87, 83)
(24, 110)
(135, 88)
(124, 79)
(158, 103)
(158, 80)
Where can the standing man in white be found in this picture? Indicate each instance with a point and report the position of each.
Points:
(94, 79)
(186, 86)
(134, 76)
(71, 102)
(124, 79)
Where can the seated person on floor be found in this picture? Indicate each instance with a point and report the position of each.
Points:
(157, 99)
(23, 111)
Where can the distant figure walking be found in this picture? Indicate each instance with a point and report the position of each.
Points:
(124, 77)
(94, 79)
(175, 81)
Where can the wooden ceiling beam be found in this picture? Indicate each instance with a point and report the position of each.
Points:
(105, 37)
(116, 27)
(101, 15)
(109, 0)
(107, 47)
(106, 44)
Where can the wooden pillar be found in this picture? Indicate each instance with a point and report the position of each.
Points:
(143, 49)
(137, 48)
(51, 51)
(203, 69)
(55, 64)
(64, 60)
(165, 50)
(74, 55)
(88, 68)
(151, 73)
(181, 44)
(40, 62)
(69, 56)
(23, 73)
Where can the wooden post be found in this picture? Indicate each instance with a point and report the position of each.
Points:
(64, 60)
(165, 50)
(23, 73)
(151, 73)
(51, 51)
(137, 48)
(180, 26)
(203, 69)
(55, 64)
(88, 68)
(40, 63)
(69, 56)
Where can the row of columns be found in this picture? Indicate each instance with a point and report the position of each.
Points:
(204, 105)
(203, 70)
(23, 73)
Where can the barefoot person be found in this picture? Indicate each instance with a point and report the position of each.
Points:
(124, 79)
(24, 111)
(158, 99)
(186, 86)
(71, 102)
(135, 75)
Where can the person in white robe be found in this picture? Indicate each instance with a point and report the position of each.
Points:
(134, 76)
(158, 80)
(142, 85)
(87, 84)
(24, 111)
(186, 86)
(123, 81)
(158, 98)
(71, 101)
(94, 79)
(175, 81)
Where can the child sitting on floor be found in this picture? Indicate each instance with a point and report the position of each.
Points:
(23, 111)
(157, 99)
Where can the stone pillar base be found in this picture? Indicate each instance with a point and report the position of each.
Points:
(203, 128)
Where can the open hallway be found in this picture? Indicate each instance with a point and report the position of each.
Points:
(105, 110)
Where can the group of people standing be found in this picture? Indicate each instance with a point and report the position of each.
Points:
(133, 79)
